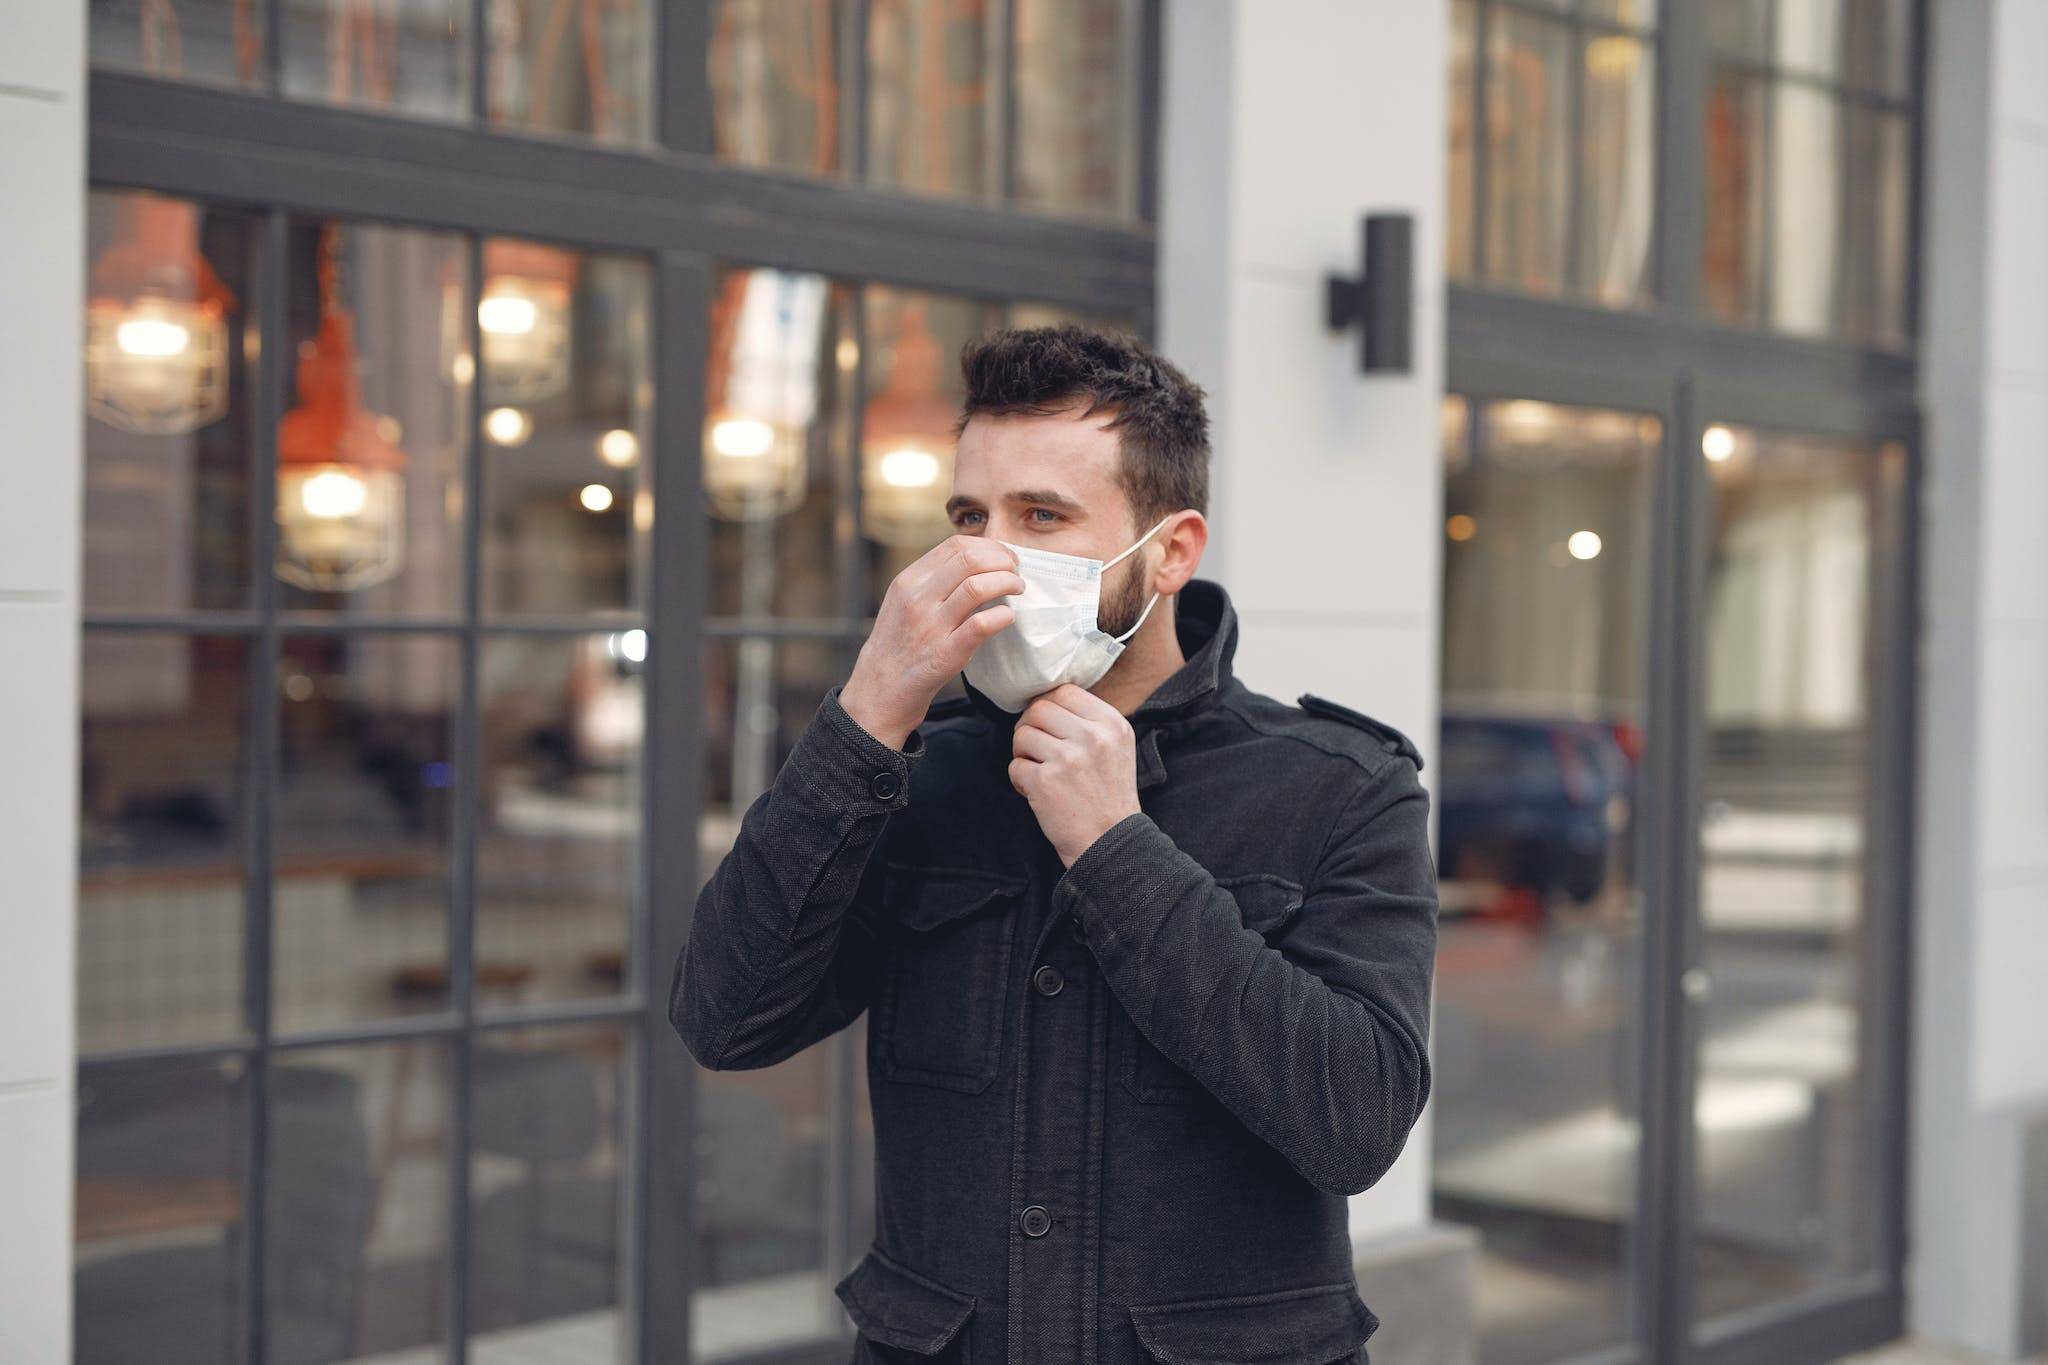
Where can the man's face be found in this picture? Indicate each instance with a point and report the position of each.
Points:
(1050, 482)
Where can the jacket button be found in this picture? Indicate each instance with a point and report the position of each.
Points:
(1036, 1221)
(1048, 980)
(884, 786)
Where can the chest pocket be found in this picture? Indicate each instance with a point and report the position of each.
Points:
(940, 1007)
(1267, 901)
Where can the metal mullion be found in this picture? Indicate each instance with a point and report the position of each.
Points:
(183, 622)
(1678, 239)
(663, 1227)
(479, 63)
(406, 1027)
(1150, 40)
(853, 585)
(462, 906)
(1004, 59)
(117, 1058)
(590, 623)
(273, 47)
(1575, 160)
(1482, 72)
(260, 852)
(585, 1011)
(795, 627)
(682, 85)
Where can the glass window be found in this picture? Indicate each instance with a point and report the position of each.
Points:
(1539, 965)
(580, 69)
(218, 42)
(404, 59)
(778, 83)
(1808, 159)
(1076, 138)
(932, 124)
(1553, 126)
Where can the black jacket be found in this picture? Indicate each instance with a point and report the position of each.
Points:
(1117, 1106)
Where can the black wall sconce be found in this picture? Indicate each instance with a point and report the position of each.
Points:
(1381, 301)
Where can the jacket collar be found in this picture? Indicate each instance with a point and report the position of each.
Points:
(1207, 626)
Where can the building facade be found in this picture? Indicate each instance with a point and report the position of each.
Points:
(462, 440)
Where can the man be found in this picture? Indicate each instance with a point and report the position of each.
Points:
(1148, 953)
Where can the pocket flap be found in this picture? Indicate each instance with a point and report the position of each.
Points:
(926, 897)
(899, 1307)
(1289, 1327)
(1265, 899)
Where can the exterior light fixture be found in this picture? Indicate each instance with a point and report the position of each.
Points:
(1380, 302)
(524, 316)
(767, 326)
(906, 466)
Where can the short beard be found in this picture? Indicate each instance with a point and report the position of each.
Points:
(1118, 614)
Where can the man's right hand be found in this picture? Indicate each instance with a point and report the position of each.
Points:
(925, 631)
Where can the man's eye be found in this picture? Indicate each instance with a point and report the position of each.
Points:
(968, 519)
(1049, 516)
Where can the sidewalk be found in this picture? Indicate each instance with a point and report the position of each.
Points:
(1916, 1353)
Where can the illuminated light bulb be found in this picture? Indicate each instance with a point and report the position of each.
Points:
(742, 438)
(464, 368)
(333, 493)
(632, 645)
(1584, 545)
(910, 468)
(595, 497)
(1717, 443)
(618, 448)
(508, 426)
(507, 315)
(1461, 527)
(152, 338)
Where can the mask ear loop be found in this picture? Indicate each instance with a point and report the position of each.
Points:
(1141, 620)
(1112, 563)
(1155, 596)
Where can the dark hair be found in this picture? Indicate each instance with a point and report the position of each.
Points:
(1162, 429)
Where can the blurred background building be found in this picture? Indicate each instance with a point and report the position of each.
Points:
(454, 443)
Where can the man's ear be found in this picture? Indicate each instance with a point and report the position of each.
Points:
(1184, 540)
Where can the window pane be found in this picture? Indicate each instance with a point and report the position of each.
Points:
(171, 313)
(1862, 43)
(1459, 258)
(548, 1151)
(1785, 1169)
(1619, 165)
(568, 400)
(1878, 225)
(356, 1223)
(931, 120)
(572, 69)
(915, 388)
(1546, 561)
(363, 822)
(214, 41)
(1529, 151)
(1732, 251)
(558, 839)
(161, 898)
(1077, 110)
(1635, 13)
(161, 1212)
(778, 442)
(370, 449)
(777, 83)
(410, 59)
(759, 694)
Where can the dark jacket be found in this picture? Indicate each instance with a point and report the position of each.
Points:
(1117, 1106)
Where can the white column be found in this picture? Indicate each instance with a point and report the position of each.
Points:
(1981, 931)
(1285, 122)
(42, 292)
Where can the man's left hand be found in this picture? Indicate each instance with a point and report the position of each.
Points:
(1076, 762)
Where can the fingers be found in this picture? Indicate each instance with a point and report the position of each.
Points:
(955, 558)
(1079, 701)
(976, 589)
(1028, 741)
(1023, 772)
(966, 637)
(1049, 716)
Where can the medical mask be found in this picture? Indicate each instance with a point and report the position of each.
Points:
(1055, 638)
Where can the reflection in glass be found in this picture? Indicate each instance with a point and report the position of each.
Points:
(1529, 169)
(1866, 44)
(760, 1163)
(558, 837)
(759, 694)
(1460, 258)
(170, 290)
(369, 496)
(1617, 160)
(160, 1213)
(161, 898)
(217, 42)
(775, 68)
(363, 818)
(355, 1225)
(931, 121)
(562, 68)
(568, 404)
(907, 439)
(409, 59)
(1785, 1170)
(548, 1149)
(1076, 97)
(777, 440)
(1546, 552)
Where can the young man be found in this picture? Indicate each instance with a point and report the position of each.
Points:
(1148, 953)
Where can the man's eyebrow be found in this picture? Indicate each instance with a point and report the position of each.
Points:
(1044, 498)
(960, 502)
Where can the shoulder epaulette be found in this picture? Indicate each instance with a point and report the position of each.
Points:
(1393, 740)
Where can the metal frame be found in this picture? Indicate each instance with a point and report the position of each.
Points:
(1672, 360)
(684, 213)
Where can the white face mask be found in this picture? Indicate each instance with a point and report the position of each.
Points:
(1055, 638)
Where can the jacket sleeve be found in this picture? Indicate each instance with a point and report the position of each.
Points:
(782, 950)
(1316, 1041)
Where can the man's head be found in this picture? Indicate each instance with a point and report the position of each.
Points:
(1080, 441)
